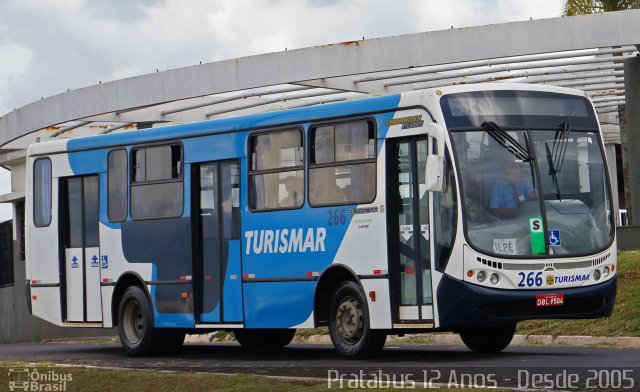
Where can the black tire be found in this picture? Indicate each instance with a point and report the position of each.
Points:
(135, 324)
(349, 324)
(488, 338)
(173, 340)
(257, 339)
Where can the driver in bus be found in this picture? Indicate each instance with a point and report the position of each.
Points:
(511, 191)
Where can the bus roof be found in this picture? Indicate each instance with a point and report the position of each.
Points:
(225, 125)
(271, 119)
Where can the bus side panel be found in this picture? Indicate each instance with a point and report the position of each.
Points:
(286, 246)
(113, 265)
(215, 148)
(379, 309)
(45, 303)
(232, 296)
(166, 243)
(277, 304)
(42, 247)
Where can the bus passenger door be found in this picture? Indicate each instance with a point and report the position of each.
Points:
(80, 217)
(217, 271)
(409, 241)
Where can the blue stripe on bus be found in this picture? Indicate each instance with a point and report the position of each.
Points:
(312, 113)
(88, 162)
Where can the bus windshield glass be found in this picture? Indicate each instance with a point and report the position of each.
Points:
(533, 190)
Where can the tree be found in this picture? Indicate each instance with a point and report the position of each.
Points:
(582, 7)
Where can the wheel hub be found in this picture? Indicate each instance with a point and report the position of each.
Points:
(133, 321)
(350, 320)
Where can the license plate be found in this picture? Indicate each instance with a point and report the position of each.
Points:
(549, 300)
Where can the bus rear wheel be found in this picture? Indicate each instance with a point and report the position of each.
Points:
(488, 338)
(349, 327)
(135, 324)
(264, 338)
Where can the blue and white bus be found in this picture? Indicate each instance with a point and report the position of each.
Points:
(463, 208)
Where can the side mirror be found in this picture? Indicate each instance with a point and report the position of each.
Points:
(437, 134)
(434, 171)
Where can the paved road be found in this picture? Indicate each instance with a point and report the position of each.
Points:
(548, 367)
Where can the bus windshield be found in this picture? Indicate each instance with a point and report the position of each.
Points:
(533, 191)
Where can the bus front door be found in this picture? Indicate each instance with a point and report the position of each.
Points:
(217, 271)
(81, 242)
(409, 258)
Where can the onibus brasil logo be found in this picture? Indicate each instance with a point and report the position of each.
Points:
(38, 380)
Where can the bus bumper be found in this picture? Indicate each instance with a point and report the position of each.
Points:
(461, 303)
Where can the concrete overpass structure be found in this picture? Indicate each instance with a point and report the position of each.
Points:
(596, 53)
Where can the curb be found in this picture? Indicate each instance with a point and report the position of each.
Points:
(450, 339)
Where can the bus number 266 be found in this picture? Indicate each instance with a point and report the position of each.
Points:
(529, 280)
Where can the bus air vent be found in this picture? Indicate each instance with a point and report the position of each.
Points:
(601, 259)
(490, 263)
(524, 267)
(573, 265)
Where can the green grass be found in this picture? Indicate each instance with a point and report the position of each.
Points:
(625, 320)
(104, 380)
(98, 380)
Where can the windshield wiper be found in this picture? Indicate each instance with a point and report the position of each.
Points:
(562, 139)
(552, 171)
(555, 156)
(507, 141)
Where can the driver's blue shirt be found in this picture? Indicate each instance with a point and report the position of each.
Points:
(508, 195)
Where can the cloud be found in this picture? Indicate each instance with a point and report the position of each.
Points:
(16, 61)
(57, 45)
(49, 46)
(124, 11)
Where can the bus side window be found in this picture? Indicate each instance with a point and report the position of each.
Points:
(157, 185)
(342, 167)
(42, 192)
(117, 185)
(276, 175)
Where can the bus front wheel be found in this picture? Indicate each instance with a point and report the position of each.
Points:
(488, 338)
(135, 324)
(349, 324)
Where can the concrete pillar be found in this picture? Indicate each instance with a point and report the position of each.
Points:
(624, 151)
(632, 97)
(610, 151)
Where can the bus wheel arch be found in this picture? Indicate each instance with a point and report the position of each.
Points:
(132, 300)
(125, 281)
(328, 283)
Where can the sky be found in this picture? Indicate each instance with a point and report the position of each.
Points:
(50, 46)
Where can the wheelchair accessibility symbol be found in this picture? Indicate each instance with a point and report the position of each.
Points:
(554, 238)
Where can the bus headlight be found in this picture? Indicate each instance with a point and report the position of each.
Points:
(605, 272)
(481, 276)
(494, 279)
(596, 274)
